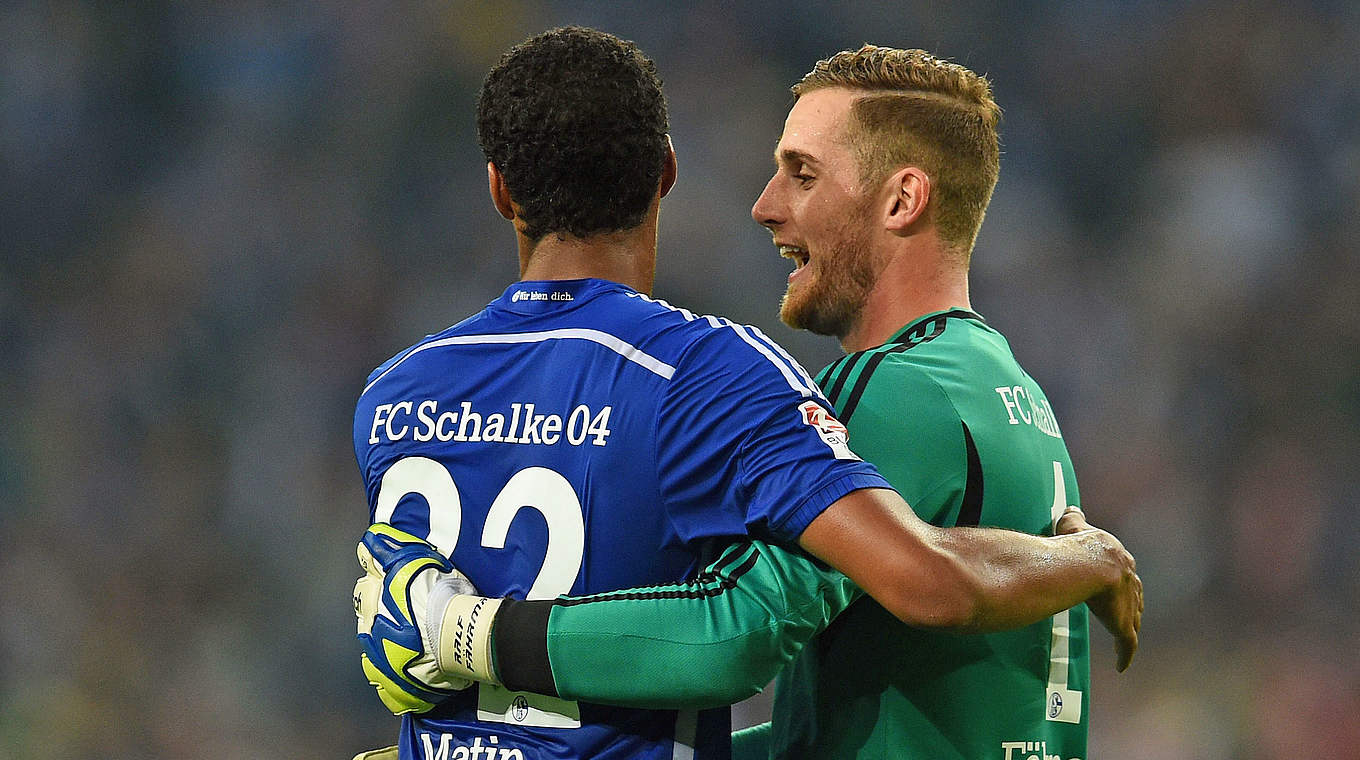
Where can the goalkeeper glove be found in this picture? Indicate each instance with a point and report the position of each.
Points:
(424, 632)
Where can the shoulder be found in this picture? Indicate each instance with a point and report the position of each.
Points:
(900, 376)
(396, 360)
(401, 360)
(708, 347)
(922, 367)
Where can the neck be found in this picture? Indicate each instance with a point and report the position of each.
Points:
(910, 286)
(627, 257)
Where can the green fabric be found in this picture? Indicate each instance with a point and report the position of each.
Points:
(870, 687)
(751, 743)
(707, 643)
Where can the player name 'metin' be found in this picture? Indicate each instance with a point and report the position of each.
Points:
(521, 423)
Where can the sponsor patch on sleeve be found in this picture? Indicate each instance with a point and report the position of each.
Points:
(832, 432)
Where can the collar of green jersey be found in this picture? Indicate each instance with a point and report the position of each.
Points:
(915, 327)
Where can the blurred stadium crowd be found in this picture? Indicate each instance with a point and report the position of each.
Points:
(215, 219)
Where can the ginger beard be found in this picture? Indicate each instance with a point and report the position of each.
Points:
(828, 296)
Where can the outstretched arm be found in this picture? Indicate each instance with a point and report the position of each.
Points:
(977, 579)
(707, 642)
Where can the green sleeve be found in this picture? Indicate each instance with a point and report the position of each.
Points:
(708, 642)
(752, 743)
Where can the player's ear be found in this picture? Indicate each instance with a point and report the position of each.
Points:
(910, 194)
(670, 170)
(500, 193)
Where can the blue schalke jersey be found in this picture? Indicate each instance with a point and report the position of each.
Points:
(577, 437)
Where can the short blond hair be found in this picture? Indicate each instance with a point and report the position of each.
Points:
(919, 110)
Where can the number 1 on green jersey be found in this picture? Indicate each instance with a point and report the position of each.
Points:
(1063, 704)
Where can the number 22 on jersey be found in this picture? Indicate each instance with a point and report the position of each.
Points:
(539, 488)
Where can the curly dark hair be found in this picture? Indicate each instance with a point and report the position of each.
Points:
(575, 120)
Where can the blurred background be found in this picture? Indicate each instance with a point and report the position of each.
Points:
(216, 219)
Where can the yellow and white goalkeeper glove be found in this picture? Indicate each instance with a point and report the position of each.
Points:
(424, 632)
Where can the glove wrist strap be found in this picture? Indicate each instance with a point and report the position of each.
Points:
(464, 646)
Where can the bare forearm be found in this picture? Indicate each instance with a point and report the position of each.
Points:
(1008, 580)
(971, 579)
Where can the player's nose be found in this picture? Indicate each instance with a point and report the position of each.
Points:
(765, 210)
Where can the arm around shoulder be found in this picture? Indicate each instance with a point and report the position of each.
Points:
(709, 642)
(967, 579)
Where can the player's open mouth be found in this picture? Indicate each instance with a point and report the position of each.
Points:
(798, 255)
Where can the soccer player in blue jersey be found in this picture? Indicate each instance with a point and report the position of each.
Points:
(578, 436)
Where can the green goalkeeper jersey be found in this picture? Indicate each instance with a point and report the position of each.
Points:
(968, 438)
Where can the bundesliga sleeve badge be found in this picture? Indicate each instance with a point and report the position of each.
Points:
(832, 432)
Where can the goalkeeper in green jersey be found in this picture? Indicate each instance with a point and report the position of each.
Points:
(884, 169)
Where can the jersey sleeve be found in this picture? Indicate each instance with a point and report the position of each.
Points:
(907, 425)
(708, 642)
(743, 431)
